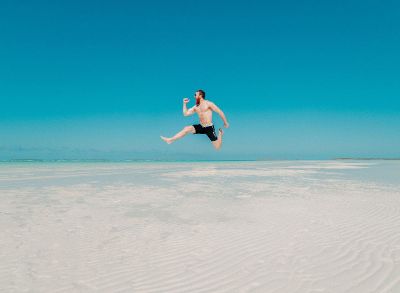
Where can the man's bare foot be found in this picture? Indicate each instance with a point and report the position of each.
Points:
(166, 139)
(221, 132)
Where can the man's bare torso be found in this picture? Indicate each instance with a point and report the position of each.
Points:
(205, 113)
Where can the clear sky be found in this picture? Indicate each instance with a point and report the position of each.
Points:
(103, 79)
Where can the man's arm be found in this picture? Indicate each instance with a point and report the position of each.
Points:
(185, 111)
(219, 112)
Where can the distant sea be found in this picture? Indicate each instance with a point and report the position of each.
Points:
(382, 170)
(181, 160)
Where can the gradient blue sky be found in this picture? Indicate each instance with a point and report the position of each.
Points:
(103, 79)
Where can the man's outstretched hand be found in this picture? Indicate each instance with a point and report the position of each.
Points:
(186, 100)
(226, 125)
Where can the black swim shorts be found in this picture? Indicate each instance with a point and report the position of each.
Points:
(209, 130)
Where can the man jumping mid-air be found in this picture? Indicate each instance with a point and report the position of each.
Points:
(204, 109)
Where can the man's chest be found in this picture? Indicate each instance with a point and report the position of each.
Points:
(203, 109)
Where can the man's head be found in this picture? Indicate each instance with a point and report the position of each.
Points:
(200, 94)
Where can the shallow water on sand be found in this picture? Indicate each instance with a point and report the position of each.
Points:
(281, 226)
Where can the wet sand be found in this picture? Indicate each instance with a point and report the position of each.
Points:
(293, 226)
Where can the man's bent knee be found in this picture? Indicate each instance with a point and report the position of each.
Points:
(216, 145)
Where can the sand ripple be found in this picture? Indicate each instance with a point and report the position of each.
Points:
(239, 227)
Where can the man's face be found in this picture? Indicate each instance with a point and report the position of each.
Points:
(197, 95)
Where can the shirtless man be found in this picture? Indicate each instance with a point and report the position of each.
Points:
(204, 109)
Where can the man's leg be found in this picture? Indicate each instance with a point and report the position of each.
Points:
(180, 134)
(218, 143)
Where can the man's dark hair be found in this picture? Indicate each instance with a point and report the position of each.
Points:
(202, 93)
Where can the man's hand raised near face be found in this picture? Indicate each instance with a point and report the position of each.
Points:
(186, 100)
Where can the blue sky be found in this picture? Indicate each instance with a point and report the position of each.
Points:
(296, 79)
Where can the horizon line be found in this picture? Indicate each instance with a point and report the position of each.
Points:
(27, 160)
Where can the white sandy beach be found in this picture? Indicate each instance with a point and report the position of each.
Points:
(294, 226)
